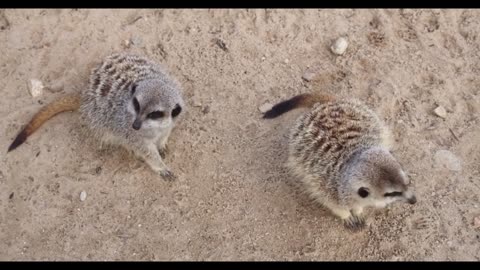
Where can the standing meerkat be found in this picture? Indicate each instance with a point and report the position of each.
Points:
(130, 101)
(340, 152)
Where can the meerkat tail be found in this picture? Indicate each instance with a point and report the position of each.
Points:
(300, 101)
(62, 104)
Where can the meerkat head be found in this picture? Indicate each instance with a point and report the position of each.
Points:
(375, 178)
(154, 104)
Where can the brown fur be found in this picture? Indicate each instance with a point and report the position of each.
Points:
(59, 105)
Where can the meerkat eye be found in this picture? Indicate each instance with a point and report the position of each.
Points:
(363, 192)
(136, 105)
(155, 115)
(176, 111)
(392, 194)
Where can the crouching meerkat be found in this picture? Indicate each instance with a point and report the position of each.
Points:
(340, 152)
(130, 101)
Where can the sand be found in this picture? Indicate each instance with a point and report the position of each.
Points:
(234, 198)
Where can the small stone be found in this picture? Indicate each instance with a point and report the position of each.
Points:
(339, 46)
(265, 107)
(476, 222)
(287, 61)
(136, 41)
(206, 109)
(56, 87)
(447, 159)
(36, 87)
(127, 43)
(197, 104)
(308, 75)
(83, 195)
(440, 112)
(263, 58)
(221, 44)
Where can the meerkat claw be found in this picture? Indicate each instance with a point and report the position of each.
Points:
(168, 175)
(354, 223)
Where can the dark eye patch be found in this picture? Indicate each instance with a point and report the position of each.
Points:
(136, 105)
(176, 111)
(155, 115)
(134, 88)
(393, 194)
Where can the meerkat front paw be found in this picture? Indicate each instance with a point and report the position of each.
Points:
(168, 175)
(354, 223)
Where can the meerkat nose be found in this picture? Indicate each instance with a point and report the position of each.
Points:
(412, 200)
(137, 124)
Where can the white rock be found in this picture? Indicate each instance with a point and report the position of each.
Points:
(83, 195)
(339, 46)
(287, 61)
(308, 75)
(36, 87)
(56, 87)
(136, 41)
(265, 107)
(476, 222)
(440, 112)
(447, 159)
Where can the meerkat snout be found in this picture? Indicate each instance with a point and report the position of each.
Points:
(377, 179)
(137, 124)
(412, 200)
(410, 197)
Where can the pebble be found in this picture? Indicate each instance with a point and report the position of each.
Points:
(136, 41)
(221, 44)
(308, 75)
(447, 159)
(206, 109)
(265, 107)
(36, 87)
(56, 87)
(339, 46)
(440, 112)
(476, 222)
(83, 195)
(127, 43)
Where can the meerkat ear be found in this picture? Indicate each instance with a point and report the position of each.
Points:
(363, 192)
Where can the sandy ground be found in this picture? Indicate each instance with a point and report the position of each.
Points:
(234, 199)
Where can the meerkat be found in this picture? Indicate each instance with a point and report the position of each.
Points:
(340, 151)
(130, 101)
